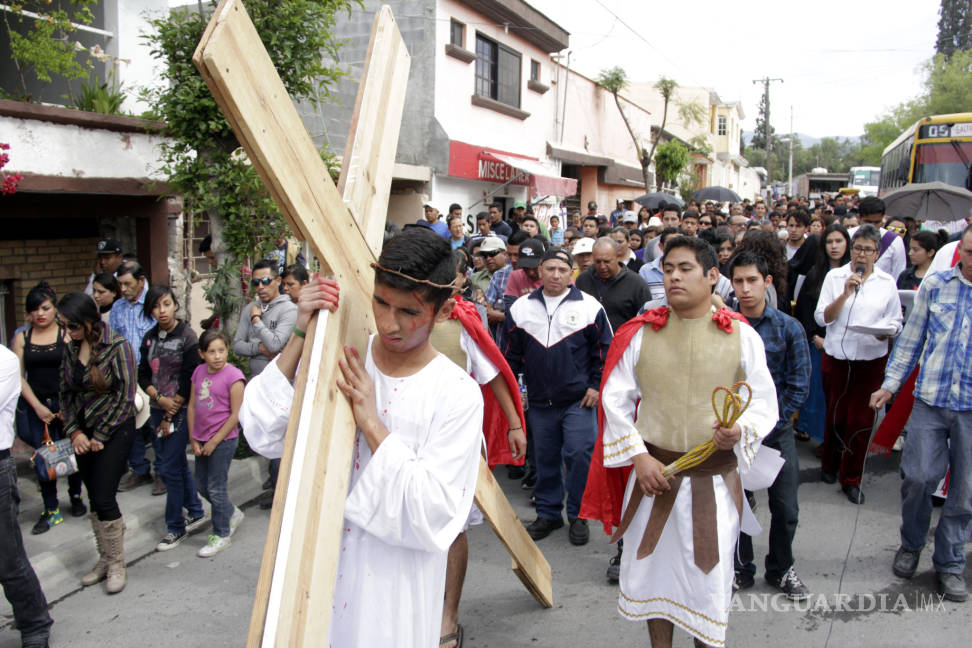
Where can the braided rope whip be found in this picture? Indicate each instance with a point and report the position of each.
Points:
(732, 408)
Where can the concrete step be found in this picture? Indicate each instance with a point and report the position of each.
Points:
(67, 551)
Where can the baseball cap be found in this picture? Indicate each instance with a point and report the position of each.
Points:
(519, 204)
(108, 246)
(559, 253)
(629, 217)
(530, 252)
(654, 221)
(584, 245)
(492, 244)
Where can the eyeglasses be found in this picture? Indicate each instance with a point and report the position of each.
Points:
(490, 255)
(900, 231)
(265, 281)
(71, 326)
(860, 250)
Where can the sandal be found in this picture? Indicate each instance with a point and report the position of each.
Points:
(455, 636)
(801, 436)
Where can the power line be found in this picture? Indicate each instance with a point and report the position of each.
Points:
(640, 37)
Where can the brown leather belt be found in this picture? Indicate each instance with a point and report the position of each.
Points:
(705, 539)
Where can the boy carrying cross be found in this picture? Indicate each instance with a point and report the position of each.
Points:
(416, 448)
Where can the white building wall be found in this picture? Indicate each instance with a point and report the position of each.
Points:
(455, 83)
(593, 124)
(65, 150)
(131, 22)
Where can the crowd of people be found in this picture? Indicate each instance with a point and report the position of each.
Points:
(820, 282)
(596, 341)
(115, 370)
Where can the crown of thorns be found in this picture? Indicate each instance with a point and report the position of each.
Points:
(453, 285)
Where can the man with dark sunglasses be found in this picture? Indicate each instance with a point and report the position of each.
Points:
(267, 322)
(265, 326)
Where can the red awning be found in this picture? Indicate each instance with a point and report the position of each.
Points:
(541, 182)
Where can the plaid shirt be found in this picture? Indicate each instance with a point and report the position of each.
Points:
(497, 286)
(938, 333)
(787, 357)
(129, 320)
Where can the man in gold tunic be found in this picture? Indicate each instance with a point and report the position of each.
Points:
(656, 400)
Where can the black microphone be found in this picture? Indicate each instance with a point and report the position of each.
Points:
(859, 269)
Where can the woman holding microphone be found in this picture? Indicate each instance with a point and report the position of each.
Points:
(860, 309)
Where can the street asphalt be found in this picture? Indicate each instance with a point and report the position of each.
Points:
(175, 598)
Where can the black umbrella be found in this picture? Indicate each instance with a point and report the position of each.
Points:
(654, 199)
(718, 194)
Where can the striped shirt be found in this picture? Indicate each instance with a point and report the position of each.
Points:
(102, 412)
(938, 333)
(129, 319)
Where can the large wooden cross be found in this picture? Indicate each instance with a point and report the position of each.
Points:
(344, 226)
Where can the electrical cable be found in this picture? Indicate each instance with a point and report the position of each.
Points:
(850, 545)
(846, 448)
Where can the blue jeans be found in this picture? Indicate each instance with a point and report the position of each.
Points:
(813, 412)
(20, 584)
(938, 439)
(212, 473)
(563, 441)
(783, 506)
(173, 468)
(31, 431)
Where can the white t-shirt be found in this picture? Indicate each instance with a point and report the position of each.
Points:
(553, 302)
(9, 393)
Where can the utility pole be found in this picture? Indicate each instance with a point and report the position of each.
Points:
(766, 124)
(789, 175)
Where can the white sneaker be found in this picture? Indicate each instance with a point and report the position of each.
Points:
(214, 546)
(235, 520)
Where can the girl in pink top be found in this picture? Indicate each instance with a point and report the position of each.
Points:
(213, 413)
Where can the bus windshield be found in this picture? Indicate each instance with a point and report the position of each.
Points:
(946, 162)
(866, 178)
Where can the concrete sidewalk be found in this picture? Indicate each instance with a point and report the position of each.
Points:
(66, 552)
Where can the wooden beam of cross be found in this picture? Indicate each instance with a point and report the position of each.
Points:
(296, 583)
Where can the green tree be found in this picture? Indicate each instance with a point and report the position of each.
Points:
(202, 158)
(41, 46)
(671, 159)
(954, 27)
(759, 136)
(947, 89)
(615, 80)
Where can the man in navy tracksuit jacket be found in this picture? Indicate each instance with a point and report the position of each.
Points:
(558, 337)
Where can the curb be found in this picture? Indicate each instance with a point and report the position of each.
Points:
(62, 555)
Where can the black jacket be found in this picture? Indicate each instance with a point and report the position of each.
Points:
(622, 297)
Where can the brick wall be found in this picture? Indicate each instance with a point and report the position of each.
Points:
(63, 263)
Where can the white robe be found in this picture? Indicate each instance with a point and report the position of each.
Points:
(667, 584)
(406, 502)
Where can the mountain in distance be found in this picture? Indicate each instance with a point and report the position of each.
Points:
(806, 140)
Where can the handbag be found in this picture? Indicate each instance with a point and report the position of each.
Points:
(54, 459)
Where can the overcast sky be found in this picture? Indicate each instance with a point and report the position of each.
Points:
(843, 62)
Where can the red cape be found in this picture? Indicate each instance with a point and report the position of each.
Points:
(604, 494)
(897, 417)
(495, 425)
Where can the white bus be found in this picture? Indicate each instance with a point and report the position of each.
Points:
(866, 179)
